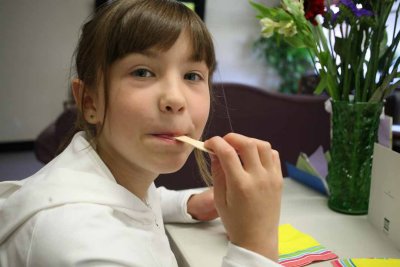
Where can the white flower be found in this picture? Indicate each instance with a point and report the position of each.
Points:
(287, 28)
(268, 27)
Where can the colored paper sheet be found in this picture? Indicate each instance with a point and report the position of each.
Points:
(299, 249)
(306, 178)
(366, 263)
(318, 161)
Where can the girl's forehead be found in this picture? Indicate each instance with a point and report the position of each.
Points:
(183, 47)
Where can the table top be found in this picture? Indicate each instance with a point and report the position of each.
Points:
(348, 236)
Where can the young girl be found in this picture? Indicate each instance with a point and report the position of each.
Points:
(143, 77)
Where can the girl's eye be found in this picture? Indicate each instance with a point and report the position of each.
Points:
(142, 73)
(192, 76)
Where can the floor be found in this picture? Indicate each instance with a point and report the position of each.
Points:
(18, 165)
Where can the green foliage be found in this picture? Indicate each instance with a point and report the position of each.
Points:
(290, 63)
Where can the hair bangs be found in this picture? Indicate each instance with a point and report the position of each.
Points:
(147, 24)
(202, 44)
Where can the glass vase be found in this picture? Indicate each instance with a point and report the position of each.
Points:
(354, 132)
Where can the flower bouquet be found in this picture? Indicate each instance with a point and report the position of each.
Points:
(355, 58)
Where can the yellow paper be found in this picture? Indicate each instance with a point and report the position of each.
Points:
(376, 262)
(292, 240)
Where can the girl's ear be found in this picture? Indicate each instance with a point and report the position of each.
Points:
(77, 91)
(86, 101)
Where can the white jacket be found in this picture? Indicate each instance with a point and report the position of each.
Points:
(73, 213)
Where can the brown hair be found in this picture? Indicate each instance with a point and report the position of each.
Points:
(128, 26)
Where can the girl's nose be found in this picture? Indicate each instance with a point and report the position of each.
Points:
(173, 100)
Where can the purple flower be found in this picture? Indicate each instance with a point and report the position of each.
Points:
(334, 16)
(358, 12)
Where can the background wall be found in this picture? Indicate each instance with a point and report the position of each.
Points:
(235, 28)
(38, 39)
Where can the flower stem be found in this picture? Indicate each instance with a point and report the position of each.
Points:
(376, 40)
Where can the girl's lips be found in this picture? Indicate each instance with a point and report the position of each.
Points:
(165, 136)
(170, 137)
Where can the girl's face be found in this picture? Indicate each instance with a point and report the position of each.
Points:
(153, 96)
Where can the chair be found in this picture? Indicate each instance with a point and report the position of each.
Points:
(53, 137)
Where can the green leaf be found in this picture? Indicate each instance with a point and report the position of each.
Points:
(281, 15)
(332, 87)
(381, 94)
(295, 41)
(341, 47)
(323, 57)
(274, 13)
(269, 12)
(321, 85)
(383, 44)
(385, 89)
(260, 8)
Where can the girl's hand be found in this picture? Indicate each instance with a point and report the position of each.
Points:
(201, 206)
(247, 191)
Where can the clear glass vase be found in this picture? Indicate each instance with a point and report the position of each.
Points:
(354, 132)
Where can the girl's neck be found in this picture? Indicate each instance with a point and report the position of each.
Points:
(138, 186)
(135, 180)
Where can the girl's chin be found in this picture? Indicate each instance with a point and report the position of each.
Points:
(172, 164)
(171, 168)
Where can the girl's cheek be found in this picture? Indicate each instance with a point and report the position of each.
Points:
(202, 111)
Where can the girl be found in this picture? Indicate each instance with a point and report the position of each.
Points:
(143, 77)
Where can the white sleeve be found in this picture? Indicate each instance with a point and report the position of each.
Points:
(174, 204)
(238, 257)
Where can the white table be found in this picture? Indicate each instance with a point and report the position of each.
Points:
(349, 236)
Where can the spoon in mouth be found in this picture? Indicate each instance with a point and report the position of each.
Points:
(193, 142)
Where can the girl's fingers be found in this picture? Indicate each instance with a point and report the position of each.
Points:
(219, 182)
(227, 157)
(253, 152)
(266, 155)
(247, 148)
(247, 190)
(277, 160)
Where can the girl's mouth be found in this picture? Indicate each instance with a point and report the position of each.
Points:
(165, 136)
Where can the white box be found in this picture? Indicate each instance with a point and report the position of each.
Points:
(384, 200)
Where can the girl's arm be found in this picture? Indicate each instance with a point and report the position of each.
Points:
(185, 206)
